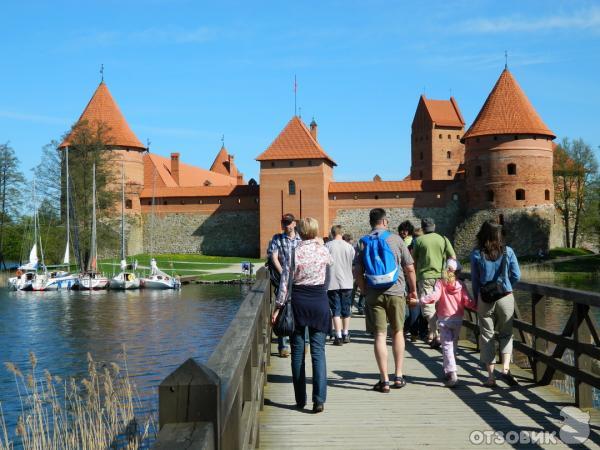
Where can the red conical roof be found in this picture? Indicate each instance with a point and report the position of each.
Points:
(102, 109)
(294, 142)
(507, 110)
(222, 164)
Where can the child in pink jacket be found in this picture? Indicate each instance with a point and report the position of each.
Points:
(451, 296)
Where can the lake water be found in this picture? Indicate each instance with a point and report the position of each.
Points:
(159, 329)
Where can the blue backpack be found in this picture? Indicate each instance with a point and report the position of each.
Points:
(381, 269)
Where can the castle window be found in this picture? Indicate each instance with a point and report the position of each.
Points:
(448, 155)
(501, 219)
(183, 202)
(291, 163)
(490, 196)
(200, 201)
(291, 187)
(449, 173)
(440, 136)
(511, 169)
(272, 163)
(516, 137)
(335, 197)
(495, 138)
(128, 204)
(310, 162)
(239, 201)
(165, 203)
(520, 194)
(355, 197)
(449, 136)
(256, 200)
(377, 197)
(478, 171)
(421, 156)
(455, 197)
(547, 194)
(458, 136)
(219, 201)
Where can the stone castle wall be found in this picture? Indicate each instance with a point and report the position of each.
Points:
(222, 233)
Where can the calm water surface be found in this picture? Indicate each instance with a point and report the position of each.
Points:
(159, 329)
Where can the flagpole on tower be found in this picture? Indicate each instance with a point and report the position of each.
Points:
(295, 95)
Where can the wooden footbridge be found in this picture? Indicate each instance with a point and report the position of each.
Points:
(243, 396)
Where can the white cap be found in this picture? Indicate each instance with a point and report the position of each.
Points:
(453, 265)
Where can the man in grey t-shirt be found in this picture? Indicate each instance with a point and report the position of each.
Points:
(340, 283)
(388, 304)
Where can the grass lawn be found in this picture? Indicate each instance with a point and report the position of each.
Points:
(222, 277)
(588, 264)
(562, 251)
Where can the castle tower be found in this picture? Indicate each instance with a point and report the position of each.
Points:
(225, 165)
(102, 110)
(295, 173)
(508, 152)
(436, 148)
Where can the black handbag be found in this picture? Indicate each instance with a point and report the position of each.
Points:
(285, 323)
(493, 291)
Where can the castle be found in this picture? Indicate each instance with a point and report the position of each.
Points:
(500, 167)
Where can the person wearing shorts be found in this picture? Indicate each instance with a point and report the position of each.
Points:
(388, 304)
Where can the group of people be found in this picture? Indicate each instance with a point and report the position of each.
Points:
(406, 279)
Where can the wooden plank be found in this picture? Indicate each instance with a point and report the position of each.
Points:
(424, 413)
(186, 436)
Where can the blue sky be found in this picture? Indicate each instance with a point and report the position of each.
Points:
(186, 72)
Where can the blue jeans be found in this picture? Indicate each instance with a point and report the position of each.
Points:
(319, 366)
(281, 343)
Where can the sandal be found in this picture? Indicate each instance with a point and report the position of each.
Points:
(399, 382)
(435, 343)
(382, 386)
(490, 383)
(508, 378)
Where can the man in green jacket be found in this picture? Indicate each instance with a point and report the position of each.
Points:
(429, 252)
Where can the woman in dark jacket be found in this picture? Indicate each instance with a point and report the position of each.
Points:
(487, 267)
(311, 311)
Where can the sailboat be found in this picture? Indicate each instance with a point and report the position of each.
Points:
(157, 278)
(27, 277)
(91, 279)
(63, 279)
(126, 279)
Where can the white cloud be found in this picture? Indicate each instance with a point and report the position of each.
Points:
(581, 20)
(152, 35)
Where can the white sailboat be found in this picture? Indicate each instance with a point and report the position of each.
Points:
(27, 277)
(63, 279)
(157, 278)
(91, 279)
(126, 279)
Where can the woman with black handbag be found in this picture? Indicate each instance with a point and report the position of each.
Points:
(310, 306)
(494, 270)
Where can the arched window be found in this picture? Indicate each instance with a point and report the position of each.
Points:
(520, 194)
(501, 219)
(511, 169)
(547, 194)
(448, 155)
(455, 196)
(490, 196)
(449, 173)
(128, 204)
(477, 171)
(292, 187)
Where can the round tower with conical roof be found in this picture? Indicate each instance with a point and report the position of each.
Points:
(127, 150)
(508, 152)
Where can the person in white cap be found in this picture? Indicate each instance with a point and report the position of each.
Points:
(451, 296)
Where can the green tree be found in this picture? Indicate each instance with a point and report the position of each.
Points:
(49, 179)
(87, 148)
(575, 169)
(11, 186)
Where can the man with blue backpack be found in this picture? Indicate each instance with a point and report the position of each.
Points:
(382, 265)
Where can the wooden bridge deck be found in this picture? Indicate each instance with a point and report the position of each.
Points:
(424, 413)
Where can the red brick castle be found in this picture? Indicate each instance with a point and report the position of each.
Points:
(500, 167)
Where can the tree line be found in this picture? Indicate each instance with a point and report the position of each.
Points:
(87, 147)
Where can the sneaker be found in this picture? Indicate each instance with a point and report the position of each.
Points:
(338, 341)
(451, 379)
(318, 408)
(346, 338)
(413, 337)
(284, 353)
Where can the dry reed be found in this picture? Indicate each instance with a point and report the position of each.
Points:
(97, 412)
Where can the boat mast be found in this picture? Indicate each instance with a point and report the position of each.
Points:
(93, 250)
(122, 211)
(66, 259)
(37, 233)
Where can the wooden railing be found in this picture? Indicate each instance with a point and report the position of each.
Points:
(545, 349)
(215, 405)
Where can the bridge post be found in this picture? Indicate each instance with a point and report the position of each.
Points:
(538, 320)
(584, 396)
(191, 394)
